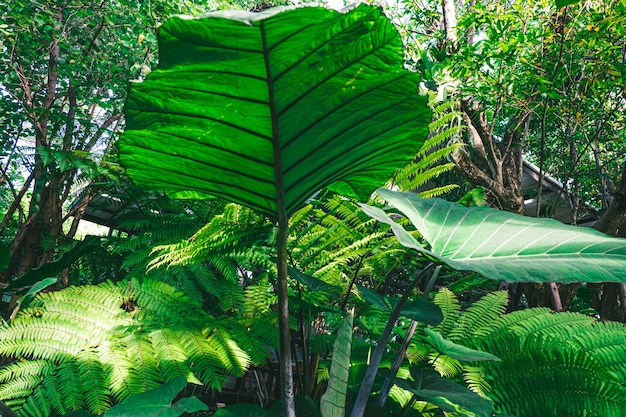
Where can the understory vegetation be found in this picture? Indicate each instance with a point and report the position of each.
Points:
(377, 211)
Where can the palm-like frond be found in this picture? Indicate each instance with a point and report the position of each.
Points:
(551, 364)
(90, 346)
(450, 307)
(430, 161)
(236, 230)
(480, 316)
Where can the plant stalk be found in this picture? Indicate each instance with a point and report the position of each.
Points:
(286, 370)
(384, 391)
(368, 381)
(6, 411)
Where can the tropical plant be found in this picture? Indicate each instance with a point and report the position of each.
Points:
(434, 158)
(283, 138)
(544, 357)
(505, 246)
(501, 246)
(158, 401)
(92, 346)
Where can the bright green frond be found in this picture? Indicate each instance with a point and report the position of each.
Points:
(554, 383)
(445, 365)
(91, 346)
(480, 316)
(93, 381)
(451, 309)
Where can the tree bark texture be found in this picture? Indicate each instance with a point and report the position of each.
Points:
(494, 165)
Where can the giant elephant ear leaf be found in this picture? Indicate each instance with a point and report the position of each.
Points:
(507, 246)
(264, 109)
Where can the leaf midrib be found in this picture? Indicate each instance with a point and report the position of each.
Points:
(281, 209)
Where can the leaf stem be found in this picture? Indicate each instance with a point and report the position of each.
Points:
(384, 391)
(286, 371)
(372, 369)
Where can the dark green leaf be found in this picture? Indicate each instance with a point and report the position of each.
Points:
(419, 309)
(158, 402)
(25, 300)
(312, 283)
(333, 402)
(448, 395)
(242, 410)
(5, 256)
(458, 352)
(376, 299)
(54, 268)
(264, 109)
(506, 246)
(424, 311)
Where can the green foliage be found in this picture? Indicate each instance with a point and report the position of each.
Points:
(429, 162)
(237, 233)
(91, 346)
(544, 357)
(5, 256)
(158, 402)
(506, 246)
(291, 142)
(418, 309)
(430, 387)
(333, 402)
(242, 410)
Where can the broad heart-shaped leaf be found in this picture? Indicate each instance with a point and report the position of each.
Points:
(505, 246)
(447, 394)
(458, 352)
(157, 402)
(418, 309)
(264, 109)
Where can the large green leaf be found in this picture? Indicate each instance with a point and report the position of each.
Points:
(333, 402)
(506, 246)
(447, 394)
(456, 351)
(418, 309)
(158, 402)
(5, 256)
(264, 109)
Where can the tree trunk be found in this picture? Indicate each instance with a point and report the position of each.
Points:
(450, 24)
(497, 166)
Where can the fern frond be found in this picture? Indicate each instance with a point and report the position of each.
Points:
(551, 364)
(258, 299)
(554, 383)
(233, 230)
(170, 355)
(445, 365)
(202, 360)
(93, 380)
(124, 339)
(138, 349)
(605, 342)
(229, 354)
(451, 309)
(481, 316)
(265, 330)
(476, 379)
